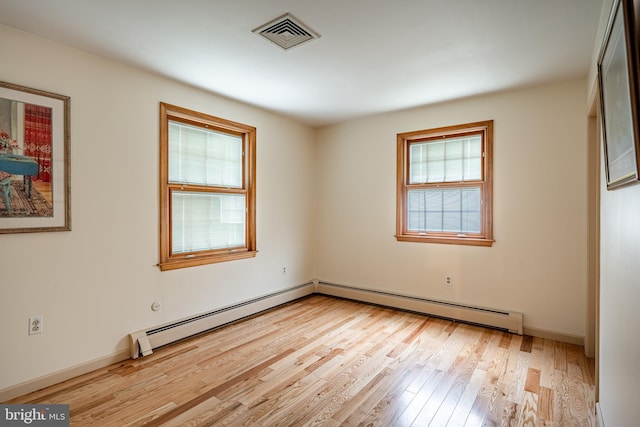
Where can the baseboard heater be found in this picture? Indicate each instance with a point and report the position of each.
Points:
(142, 343)
(507, 320)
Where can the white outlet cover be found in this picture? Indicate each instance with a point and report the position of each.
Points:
(155, 306)
(35, 325)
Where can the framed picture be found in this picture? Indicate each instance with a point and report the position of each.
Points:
(619, 94)
(35, 161)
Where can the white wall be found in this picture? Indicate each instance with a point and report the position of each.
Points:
(619, 299)
(95, 284)
(537, 265)
(619, 347)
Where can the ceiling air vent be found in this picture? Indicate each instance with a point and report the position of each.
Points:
(286, 31)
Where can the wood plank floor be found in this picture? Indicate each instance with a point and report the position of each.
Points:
(328, 361)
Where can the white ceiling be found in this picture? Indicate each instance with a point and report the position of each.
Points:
(373, 55)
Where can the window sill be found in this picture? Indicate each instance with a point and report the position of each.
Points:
(177, 263)
(453, 240)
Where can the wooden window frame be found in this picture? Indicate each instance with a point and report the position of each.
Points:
(169, 261)
(404, 140)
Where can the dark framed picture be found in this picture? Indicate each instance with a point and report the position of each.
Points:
(34, 160)
(619, 96)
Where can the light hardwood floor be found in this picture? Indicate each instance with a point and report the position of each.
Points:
(328, 361)
(44, 188)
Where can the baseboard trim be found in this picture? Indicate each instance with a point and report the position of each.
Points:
(599, 418)
(404, 302)
(556, 336)
(143, 342)
(401, 302)
(35, 384)
(489, 317)
(241, 310)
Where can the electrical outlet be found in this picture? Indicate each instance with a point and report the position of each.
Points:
(36, 325)
(448, 281)
(284, 269)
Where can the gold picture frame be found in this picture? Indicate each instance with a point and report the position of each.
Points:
(35, 160)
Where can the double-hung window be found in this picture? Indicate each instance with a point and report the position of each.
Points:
(444, 185)
(207, 189)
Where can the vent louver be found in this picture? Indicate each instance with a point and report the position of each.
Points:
(286, 31)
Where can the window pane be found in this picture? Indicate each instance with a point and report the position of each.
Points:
(449, 160)
(204, 221)
(455, 210)
(451, 211)
(417, 216)
(454, 160)
(470, 210)
(427, 162)
(418, 161)
(433, 210)
(204, 157)
(435, 164)
(473, 162)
